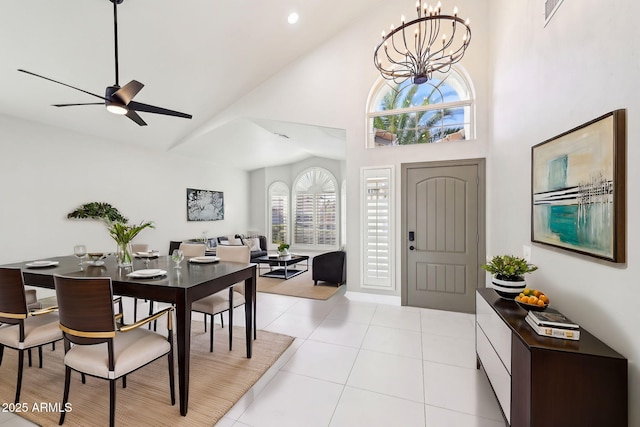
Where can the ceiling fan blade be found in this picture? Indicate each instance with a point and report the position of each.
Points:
(60, 83)
(136, 118)
(138, 106)
(128, 91)
(73, 105)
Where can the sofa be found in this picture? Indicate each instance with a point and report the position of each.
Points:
(258, 247)
(330, 267)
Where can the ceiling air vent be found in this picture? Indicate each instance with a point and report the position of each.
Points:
(550, 8)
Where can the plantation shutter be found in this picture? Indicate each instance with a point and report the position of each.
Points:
(316, 209)
(377, 228)
(279, 200)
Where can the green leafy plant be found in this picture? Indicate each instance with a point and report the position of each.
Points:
(100, 211)
(282, 246)
(116, 223)
(508, 267)
(124, 233)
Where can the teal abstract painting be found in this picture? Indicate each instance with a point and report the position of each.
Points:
(578, 189)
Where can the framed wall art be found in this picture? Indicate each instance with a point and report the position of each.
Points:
(578, 186)
(204, 205)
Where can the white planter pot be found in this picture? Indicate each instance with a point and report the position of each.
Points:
(508, 289)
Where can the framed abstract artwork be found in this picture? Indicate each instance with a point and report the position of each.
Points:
(578, 187)
(204, 205)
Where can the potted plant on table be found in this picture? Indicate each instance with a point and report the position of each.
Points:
(116, 223)
(508, 274)
(283, 249)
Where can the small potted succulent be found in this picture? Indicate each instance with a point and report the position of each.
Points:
(508, 274)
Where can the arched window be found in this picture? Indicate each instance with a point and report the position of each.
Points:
(279, 212)
(315, 209)
(439, 110)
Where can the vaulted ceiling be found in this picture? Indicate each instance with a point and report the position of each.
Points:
(193, 56)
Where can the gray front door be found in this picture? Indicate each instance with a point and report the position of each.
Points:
(444, 215)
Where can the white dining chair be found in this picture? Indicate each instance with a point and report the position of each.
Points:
(192, 249)
(222, 301)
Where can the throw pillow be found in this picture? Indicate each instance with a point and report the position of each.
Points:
(253, 243)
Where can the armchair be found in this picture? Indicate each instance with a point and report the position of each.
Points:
(330, 267)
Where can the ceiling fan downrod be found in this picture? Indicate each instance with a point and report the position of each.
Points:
(115, 36)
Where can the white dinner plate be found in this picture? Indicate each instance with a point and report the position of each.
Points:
(97, 263)
(204, 259)
(154, 272)
(41, 264)
(147, 254)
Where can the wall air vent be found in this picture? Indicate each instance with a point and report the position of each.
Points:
(550, 8)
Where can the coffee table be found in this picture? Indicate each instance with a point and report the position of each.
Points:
(283, 265)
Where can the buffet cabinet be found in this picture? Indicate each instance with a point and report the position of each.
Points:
(542, 381)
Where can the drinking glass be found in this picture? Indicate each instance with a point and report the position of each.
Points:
(80, 251)
(177, 256)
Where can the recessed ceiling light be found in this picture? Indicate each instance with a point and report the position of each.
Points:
(293, 18)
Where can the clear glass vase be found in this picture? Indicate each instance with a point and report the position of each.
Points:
(123, 254)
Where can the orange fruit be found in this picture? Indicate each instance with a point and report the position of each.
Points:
(541, 303)
(536, 293)
(544, 298)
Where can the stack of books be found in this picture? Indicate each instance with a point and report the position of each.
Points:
(552, 323)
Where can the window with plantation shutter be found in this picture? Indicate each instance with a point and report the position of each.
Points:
(279, 209)
(377, 228)
(316, 209)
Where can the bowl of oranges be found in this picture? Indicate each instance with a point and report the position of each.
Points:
(532, 299)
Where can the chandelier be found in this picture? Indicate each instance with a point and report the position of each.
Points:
(437, 42)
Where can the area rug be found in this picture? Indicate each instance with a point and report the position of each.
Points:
(218, 380)
(298, 286)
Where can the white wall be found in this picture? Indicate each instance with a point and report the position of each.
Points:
(46, 173)
(546, 81)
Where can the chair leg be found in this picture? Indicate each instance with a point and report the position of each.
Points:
(84, 378)
(221, 321)
(205, 321)
(172, 385)
(29, 356)
(65, 396)
(315, 283)
(211, 334)
(135, 310)
(124, 381)
(20, 367)
(1, 353)
(53, 346)
(40, 357)
(112, 403)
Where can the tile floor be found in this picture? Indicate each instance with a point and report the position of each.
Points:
(362, 360)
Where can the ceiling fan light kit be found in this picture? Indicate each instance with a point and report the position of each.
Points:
(118, 100)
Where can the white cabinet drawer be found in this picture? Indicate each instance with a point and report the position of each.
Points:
(496, 372)
(496, 331)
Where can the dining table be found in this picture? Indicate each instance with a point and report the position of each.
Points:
(178, 286)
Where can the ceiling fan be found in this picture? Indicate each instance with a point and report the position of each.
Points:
(119, 100)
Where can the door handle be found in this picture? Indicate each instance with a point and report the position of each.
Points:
(411, 248)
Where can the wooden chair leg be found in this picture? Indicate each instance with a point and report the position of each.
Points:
(172, 385)
(65, 396)
(211, 335)
(112, 403)
(20, 367)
